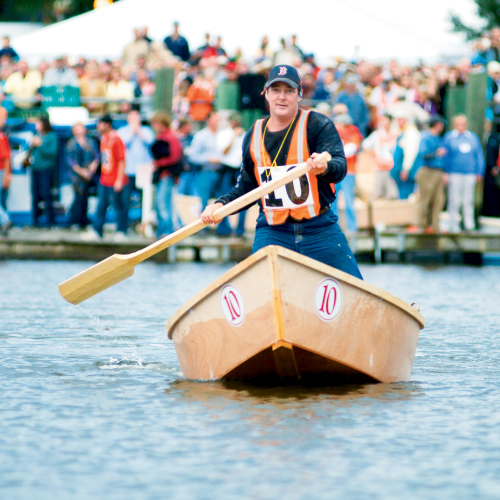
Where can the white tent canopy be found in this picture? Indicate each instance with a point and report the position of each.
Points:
(327, 28)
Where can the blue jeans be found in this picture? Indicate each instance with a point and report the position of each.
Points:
(208, 186)
(79, 207)
(3, 192)
(108, 197)
(164, 190)
(4, 218)
(228, 179)
(319, 238)
(348, 186)
(128, 190)
(187, 183)
(41, 184)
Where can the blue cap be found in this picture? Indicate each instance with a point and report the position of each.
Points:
(284, 73)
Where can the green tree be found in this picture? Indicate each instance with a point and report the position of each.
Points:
(42, 11)
(487, 10)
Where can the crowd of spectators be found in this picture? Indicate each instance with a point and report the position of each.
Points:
(383, 109)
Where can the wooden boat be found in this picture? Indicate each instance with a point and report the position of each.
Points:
(279, 313)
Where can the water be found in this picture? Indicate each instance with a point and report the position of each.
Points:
(93, 404)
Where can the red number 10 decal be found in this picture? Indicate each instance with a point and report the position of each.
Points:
(328, 299)
(232, 305)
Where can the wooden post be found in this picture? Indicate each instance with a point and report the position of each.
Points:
(475, 102)
(455, 103)
(164, 90)
(475, 110)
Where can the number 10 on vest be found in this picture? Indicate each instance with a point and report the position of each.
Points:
(294, 195)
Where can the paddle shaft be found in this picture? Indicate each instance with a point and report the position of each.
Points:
(118, 267)
(226, 210)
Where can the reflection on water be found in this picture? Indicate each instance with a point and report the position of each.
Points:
(93, 403)
(212, 393)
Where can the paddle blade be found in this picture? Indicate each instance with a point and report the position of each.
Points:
(97, 278)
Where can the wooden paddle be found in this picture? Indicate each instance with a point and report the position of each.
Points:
(119, 267)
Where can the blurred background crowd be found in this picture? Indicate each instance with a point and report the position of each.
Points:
(180, 114)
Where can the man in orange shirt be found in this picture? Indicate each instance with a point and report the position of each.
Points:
(200, 96)
(351, 139)
(111, 183)
(5, 174)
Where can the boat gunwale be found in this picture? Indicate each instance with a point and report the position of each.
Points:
(300, 259)
(355, 282)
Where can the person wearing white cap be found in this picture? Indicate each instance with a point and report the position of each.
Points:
(381, 143)
(464, 166)
(385, 95)
(406, 159)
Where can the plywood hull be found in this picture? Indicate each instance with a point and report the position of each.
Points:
(281, 314)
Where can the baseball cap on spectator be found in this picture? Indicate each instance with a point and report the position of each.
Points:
(351, 79)
(344, 118)
(235, 117)
(106, 119)
(485, 43)
(231, 66)
(340, 109)
(284, 73)
(263, 66)
(330, 63)
(493, 67)
(323, 107)
(387, 76)
(434, 120)
(401, 111)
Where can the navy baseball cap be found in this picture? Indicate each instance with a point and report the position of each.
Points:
(106, 119)
(284, 73)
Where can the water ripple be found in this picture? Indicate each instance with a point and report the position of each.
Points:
(93, 403)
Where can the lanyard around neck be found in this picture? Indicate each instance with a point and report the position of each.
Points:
(273, 163)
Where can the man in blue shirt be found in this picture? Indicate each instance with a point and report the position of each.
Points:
(355, 102)
(206, 157)
(8, 51)
(430, 175)
(177, 44)
(464, 165)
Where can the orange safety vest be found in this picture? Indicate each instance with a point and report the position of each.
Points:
(298, 152)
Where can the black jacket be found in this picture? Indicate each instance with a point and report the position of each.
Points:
(321, 136)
